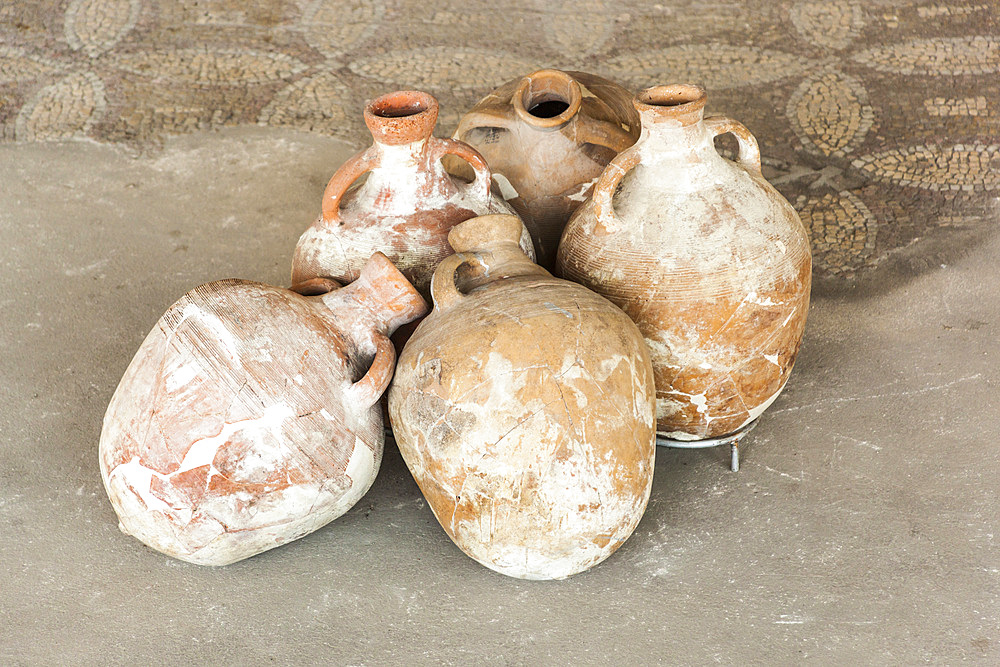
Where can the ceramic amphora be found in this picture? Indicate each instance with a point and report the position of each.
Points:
(249, 416)
(548, 136)
(705, 256)
(407, 204)
(523, 406)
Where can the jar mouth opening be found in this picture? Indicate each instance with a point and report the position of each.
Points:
(401, 104)
(679, 100)
(401, 117)
(547, 99)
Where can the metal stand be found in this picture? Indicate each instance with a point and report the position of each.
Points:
(733, 440)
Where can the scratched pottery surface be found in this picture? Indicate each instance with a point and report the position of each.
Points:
(548, 136)
(406, 206)
(249, 416)
(710, 261)
(523, 406)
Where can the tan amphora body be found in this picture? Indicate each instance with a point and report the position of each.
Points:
(523, 407)
(406, 206)
(548, 136)
(249, 417)
(704, 255)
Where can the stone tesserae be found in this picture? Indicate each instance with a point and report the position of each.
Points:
(667, 307)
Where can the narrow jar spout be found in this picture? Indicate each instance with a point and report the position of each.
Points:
(382, 297)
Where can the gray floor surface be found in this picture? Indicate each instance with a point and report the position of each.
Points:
(863, 526)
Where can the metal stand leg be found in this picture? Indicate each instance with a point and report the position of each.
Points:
(733, 440)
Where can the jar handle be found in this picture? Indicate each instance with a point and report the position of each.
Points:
(349, 172)
(315, 286)
(602, 133)
(604, 191)
(501, 117)
(442, 147)
(369, 389)
(444, 291)
(749, 156)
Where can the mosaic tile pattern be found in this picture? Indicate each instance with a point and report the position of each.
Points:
(94, 26)
(879, 121)
(841, 228)
(833, 25)
(942, 56)
(962, 167)
(830, 113)
(961, 106)
(712, 65)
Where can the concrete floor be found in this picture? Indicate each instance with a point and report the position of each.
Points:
(863, 526)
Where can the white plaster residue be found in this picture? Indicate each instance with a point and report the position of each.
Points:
(773, 358)
(507, 189)
(361, 466)
(753, 297)
(665, 203)
(584, 191)
(202, 452)
(680, 435)
(139, 478)
(495, 476)
(758, 410)
(215, 325)
(181, 375)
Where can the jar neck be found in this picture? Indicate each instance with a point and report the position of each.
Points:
(683, 159)
(407, 172)
(381, 299)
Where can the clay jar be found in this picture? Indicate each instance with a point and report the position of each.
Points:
(406, 206)
(709, 260)
(548, 137)
(249, 416)
(523, 406)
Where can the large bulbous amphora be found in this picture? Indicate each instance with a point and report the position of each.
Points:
(523, 406)
(707, 258)
(249, 416)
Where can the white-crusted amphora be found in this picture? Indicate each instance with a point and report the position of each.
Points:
(709, 260)
(406, 206)
(249, 417)
(523, 407)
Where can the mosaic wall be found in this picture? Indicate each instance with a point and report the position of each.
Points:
(880, 121)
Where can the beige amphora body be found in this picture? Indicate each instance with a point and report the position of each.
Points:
(523, 405)
(406, 205)
(704, 255)
(249, 417)
(548, 136)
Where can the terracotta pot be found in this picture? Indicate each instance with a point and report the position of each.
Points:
(548, 137)
(709, 260)
(406, 206)
(523, 406)
(249, 416)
